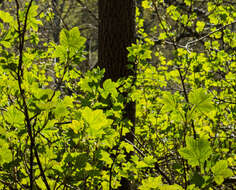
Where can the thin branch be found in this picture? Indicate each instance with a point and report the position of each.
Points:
(41, 168)
(135, 147)
(22, 31)
(19, 78)
(59, 15)
(224, 101)
(89, 11)
(207, 35)
(156, 165)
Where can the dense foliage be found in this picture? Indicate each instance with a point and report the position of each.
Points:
(61, 128)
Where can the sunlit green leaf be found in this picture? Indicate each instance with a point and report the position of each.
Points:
(169, 102)
(151, 183)
(201, 100)
(5, 152)
(196, 151)
(128, 147)
(106, 157)
(200, 26)
(109, 88)
(221, 171)
(6, 17)
(71, 39)
(96, 120)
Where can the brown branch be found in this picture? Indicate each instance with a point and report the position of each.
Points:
(30, 128)
(19, 78)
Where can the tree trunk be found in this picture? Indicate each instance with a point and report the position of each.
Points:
(116, 33)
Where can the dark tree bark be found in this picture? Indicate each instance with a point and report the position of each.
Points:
(116, 33)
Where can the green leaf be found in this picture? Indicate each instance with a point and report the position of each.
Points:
(146, 4)
(173, 11)
(211, 6)
(156, 183)
(192, 187)
(150, 183)
(162, 36)
(169, 102)
(60, 51)
(188, 2)
(5, 153)
(106, 157)
(61, 110)
(32, 21)
(197, 179)
(109, 88)
(200, 26)
(141, 164)
(76, 126)
(170, 187)
(196, 151)
(128, 147)
(201, 100)
(150, 160)
(221, 171)
(6, 17)
(213, 19)
(14, 117)
(96, 120)
(171, 105)
(71, 39)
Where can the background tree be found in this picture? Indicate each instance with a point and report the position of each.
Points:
(116, 33)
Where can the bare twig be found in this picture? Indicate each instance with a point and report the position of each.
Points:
(89, 11)
(207, 35)
(157, 167)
